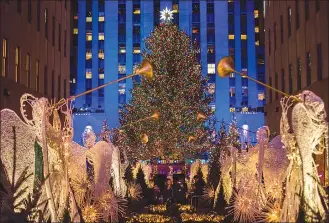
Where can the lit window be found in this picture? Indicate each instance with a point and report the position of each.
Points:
(231, 36)
(211, 49)
(257, 43)
(232, 91)
(137, 50)
(232, 75)
(89, 37)
(195, 30)
(122, 49)
(101, 54)
(17, 65)
(137, 11)
(89, 19)
(88, 74)
(101, 19)
(4, 57)
(122, 89)
(211, 68)
(256, 13)
(122, 69)
(245, 109)
(261, 96)
(100, 76)
(256, 29)
(243, 36)
(88, 55)
(175, 8)
(75, 31)
(100, 36)
(230, 1)
(232, 109)
(212, 107)
(73, 80)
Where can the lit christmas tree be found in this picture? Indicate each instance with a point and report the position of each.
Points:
(214, 162)
(104, 132)
(178, 92)
(234, 135)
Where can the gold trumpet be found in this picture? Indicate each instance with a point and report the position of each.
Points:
(146, 70)
(226, 66)
(200, 117)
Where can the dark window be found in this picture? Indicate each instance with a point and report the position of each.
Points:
(37, 77)
(289, 22)
(59, 37)
(283, 79)
(275, 28)
(59, 83)
(276, 85)
(281, 28)
(317, 5)
(53, 84)
(46, 23)
(38, 15)
(65, 4)
(53, 32)
(64, 88)
(297, 13)
(19, 6)
(269, 42)
(307, 11)
(299, 74)
(290, 79)
(243, 19)
(319, 58)
(65, 44)
(231, 24)
(270, 92)
(45, 81)
(308, 71)
(28, 70)
(29, 11)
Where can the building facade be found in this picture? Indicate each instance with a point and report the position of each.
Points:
(296, 35)
(109, 38)
(35, 53)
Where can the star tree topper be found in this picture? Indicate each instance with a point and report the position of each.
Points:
(166, 15)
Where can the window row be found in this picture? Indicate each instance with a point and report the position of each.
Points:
(28, 71)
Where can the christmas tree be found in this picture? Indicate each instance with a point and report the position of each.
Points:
(214, 162)
(140, 179)
(234, 135)
(178, 92)
(129, 174)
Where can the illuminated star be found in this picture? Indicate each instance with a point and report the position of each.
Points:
(166, 15)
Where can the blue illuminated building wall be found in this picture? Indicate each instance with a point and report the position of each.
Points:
(109, 37)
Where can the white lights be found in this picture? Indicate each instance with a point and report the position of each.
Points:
(211, 68)
(166, 15)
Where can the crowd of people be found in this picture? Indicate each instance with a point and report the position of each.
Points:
(177, 191)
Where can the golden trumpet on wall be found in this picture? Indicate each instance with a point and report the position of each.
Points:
(226, 66)
(191, 138)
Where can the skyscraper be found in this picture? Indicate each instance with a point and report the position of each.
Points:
(110, 38)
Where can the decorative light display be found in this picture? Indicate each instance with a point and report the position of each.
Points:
(201, 218)
(178, 93)
(150, 218)
(134, 191)
(166, 15)
(162, 208)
